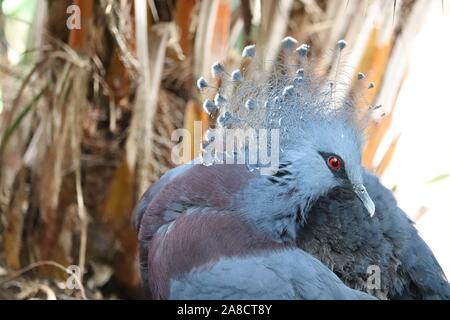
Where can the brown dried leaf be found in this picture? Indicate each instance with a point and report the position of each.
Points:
(13, 233)
(116, 214)
(193, 113)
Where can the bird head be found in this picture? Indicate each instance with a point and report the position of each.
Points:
(327, 156)
(320, 128)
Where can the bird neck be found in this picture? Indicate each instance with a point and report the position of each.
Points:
(276, 210)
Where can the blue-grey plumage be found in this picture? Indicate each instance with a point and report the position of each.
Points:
(249, 51)
(270, 268)
(389, 240)
(300, 72)
(201, 83)
(284, 274)
(209, 106)
(236, 75)
(224, 119)
(288, 90)
(217, 69)
(288, 43)
(303, 50)
(251, 104)
(342, 44)
(219, 100)
(336, 231)
(309, 230)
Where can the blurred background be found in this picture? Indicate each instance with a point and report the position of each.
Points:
(88, 105)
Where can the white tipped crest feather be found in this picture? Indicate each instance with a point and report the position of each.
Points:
(300, 98)
(289, 43)
(249, 51)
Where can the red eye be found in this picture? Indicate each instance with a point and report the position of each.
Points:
(334, 163)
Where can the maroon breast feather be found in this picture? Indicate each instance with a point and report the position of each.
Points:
(196, 241)
(197, 238)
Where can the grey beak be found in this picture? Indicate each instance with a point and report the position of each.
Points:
(362, 194)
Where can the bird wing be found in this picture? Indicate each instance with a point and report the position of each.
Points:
(180, 190)
(151, 192)
(427, 280)
(283, 274)
(189, 185)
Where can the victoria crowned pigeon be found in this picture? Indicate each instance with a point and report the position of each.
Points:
(309, 228)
